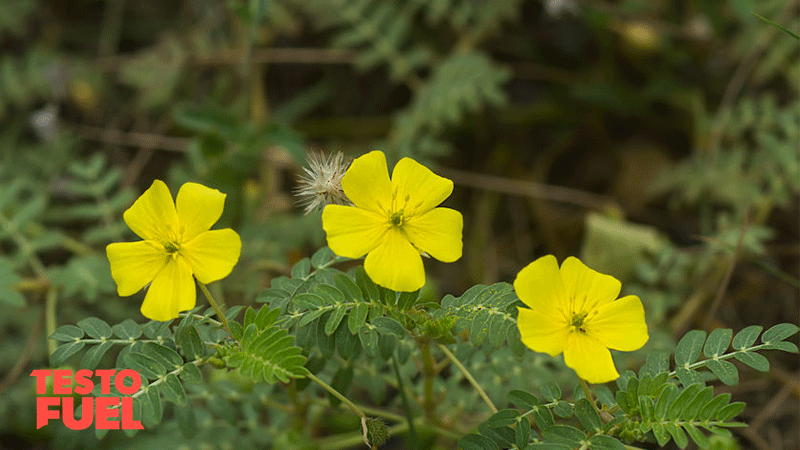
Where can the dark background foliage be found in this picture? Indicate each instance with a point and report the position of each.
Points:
(658, 140)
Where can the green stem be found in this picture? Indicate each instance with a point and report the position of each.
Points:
(336, 394)
(406, 406)
(468, 376)
(588, 393)
(429, 371)
(214, 305)
(344, 400)
(50, 317)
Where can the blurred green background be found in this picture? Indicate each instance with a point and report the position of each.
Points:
(658, 140)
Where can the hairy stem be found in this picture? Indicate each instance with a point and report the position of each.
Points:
(468, 376)
(214, 305)
(406, 406)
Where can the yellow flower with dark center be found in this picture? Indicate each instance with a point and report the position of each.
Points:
(394, 220)
(575, 310)
(178, 244)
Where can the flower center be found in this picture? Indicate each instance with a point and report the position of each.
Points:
(578, 321)
(397, 219)
(172, 247)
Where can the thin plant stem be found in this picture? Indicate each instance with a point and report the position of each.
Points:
(50, 317)
(412, 432)
(468, 376)
(588, 393)
(346, 401)
(214, 305)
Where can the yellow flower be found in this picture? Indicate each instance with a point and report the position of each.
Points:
(178, 243)
(574, 310)
(393, 221)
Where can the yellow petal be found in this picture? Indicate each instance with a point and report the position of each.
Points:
(171, 292)
(199, 208)
(437, 233)
(395, 263)
(540, 333)
(366, 183)
(212, 254)
(152, 215)
(589, 358)
(620, 324)
(352, 232)
(134, 264)
(539, 286)
(417, 189)
(587, 288)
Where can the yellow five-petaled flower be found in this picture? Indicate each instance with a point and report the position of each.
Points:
(394, 220)
(178, 243)
(575, 310)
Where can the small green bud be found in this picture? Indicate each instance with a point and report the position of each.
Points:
(218, 363)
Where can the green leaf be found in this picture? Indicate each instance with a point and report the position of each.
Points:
(190, 342)
(301, 269)
(728, 412)
(688, 349)
(191, 374)
(335, 319)
(145, 365)
(522, 399)
(725, 371)
(387, 325)
(357, 317)
(172, 389)
(322, 257)
(563, 434)
(64, 351)
(710, 409)
(477, 442)
(127, 329)
(665, 399)
(677, 434)
(544, 418)
(369, 290)
(92, 357)
(522, 433)
(563, 409)
(502, 417)
(350, 290)
(551, 391)
(717, 342)
(600, 442)
(778, 333)
(697, 436)
(95, 328)
(695, 404)
(746, 337)
(329, 293)
(657, 362)
(661, 434)
(151, 405)
(406, 300)
(168, 357)
(782, 345)
(588, 416)
(682, 401)
(688, 377)
(266, 317)
(754, 360)
(548, 446)
(66, 333)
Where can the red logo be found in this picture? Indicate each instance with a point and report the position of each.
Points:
(97, 410)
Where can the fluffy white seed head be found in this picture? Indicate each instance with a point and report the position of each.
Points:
(320, 183)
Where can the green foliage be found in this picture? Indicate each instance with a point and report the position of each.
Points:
(650, 404)
(487, 313)
(264, 352)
